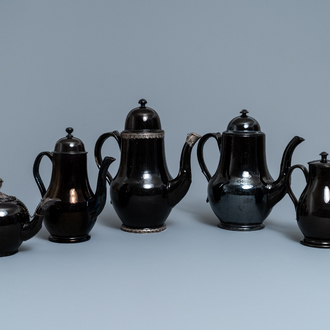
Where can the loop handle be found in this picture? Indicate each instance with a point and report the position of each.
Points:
(98, 147)
(36, 173)
(288, 180)
(200, 154)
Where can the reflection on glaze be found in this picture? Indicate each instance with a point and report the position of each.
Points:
(326, 194)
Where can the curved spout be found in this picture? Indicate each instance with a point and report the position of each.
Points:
(31, 228)
(278, 188)
(178, 187)
(95, 204)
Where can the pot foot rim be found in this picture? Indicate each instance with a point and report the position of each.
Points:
(322, 244)
(7, 254)
(147, 230)
(239, 227)
(79, 239)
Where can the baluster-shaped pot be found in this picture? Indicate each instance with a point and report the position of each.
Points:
(313, 207)
(242, 193)
(71, 219)
(143, 193)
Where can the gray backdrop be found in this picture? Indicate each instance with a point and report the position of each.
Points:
(86, 64)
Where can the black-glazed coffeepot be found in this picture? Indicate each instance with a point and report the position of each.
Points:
(242, 193)
(143, 193)
(71, 219)
(313, 207)
(15, 224)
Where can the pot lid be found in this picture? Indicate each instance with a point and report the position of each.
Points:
(142, 119)
(243, 124)
(4, 197)
(323, 162)
(69, 144)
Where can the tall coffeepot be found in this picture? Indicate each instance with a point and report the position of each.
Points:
(313, 207)
(143, 193)
(242, 193)
(71, 219)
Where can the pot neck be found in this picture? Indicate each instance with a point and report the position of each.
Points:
(70, 170)
(319, 173)
(243, 154)
(143, 155)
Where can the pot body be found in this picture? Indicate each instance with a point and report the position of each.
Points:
(242, 193)
(143, 193)
(139, 191)
(68, 221)
(313, 208)
(13, 216)
(238, 192)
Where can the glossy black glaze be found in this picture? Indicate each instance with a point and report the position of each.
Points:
(143, 193)
(15, 224)
(242, 193)
(71, 219)
(313, 207)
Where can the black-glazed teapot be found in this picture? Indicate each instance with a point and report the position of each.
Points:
(242, 193)
(15, 224)
(313, 207)
(143, 193)
(71, 219)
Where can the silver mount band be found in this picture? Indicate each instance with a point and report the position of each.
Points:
(143, 135)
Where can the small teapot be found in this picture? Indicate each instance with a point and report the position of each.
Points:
(242, 193)
(143, 193)
(71, 219)
(313, 207)
(15, 224)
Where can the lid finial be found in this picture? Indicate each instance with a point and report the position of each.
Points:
(244, 113)
(69, 130)
(69, 143)
(143, 103)
(324, 157)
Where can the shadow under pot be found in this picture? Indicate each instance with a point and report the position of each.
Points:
(71, 219)
(15, 223)
(242, 192)
(313, 207)
(143, 193)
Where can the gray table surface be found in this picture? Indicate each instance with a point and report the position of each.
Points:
(86, 64)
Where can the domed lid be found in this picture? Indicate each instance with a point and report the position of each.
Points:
(69, 144)
(5, 198)
(243, 124)
(321, 163)
(142, 119)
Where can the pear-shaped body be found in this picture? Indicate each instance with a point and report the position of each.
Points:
(242, 192)
(143, 193)
(71, 219)
(313, 207)
(15, 224)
